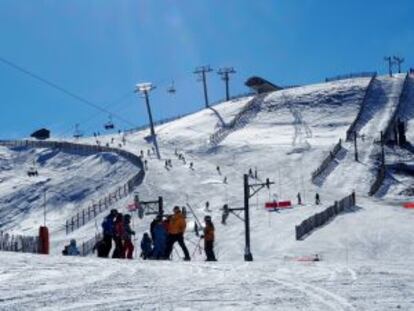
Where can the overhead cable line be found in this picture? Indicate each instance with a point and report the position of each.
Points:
(61, 89)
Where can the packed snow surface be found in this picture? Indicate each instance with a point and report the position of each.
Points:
(367, 253)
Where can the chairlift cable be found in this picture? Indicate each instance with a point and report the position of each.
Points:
(60, 88)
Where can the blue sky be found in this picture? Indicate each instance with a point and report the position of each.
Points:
(99, 49)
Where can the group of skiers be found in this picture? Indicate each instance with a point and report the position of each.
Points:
(116, 227)
(159, 244)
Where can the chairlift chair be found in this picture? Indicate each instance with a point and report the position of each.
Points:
(77, 134)
(171, 89)
(109, 125)
(32, 170)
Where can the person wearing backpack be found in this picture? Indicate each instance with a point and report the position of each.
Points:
(176, 229)
(146, 246)
(128, 245)
(108, 232)
(119, 236)
(160, 240)
(209, 239)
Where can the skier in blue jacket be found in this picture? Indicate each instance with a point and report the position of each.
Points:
(108, 232)
(160, 240)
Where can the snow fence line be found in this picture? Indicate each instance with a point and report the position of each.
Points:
(365, 74)
(319, 219)
(351, 129)
(104, 203)
(19, 243)
(247, 113)
(391, 124)
(327, 161)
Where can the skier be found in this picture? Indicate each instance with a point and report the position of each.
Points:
(108, 232)
(225, 180)
(299, 198)
(146, 247)
(209, 239)
(153, 223)
(218, 170)
(317, 199)
(191, 166)
(160, 240)
(119, 235)
(128, 246)
(207, 208)
(71, 249)
(176, 229)
(184, 211)
(225, 214)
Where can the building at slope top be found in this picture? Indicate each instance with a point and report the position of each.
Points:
(260, 85)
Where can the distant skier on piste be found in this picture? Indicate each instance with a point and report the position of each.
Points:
(317, 199)
(176, 229)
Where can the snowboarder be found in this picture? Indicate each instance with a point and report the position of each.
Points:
(119, 235)
(191, 166)
(209, 239)
(317, 199)
(160, 240)
(225, 180)
(128, 246)
(218, 170)
(146, 165)
(250, 173)
(146, 246)
(255, 173)
(108, 232)
(176, 229)
(299, 198)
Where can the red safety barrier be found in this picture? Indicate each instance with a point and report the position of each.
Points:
(271, 205)
(409, 205)
(277, 205)
(43, 240)
(284, 204)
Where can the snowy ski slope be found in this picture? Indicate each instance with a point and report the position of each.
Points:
(367, 253)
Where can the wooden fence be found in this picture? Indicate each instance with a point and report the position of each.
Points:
(319, 219)
(379, 179)
(352, 75)
(352, 127)
(391, 124)
(239, 121)
(104, 203)
(89, 213)
(325, 163)
(19, 243)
